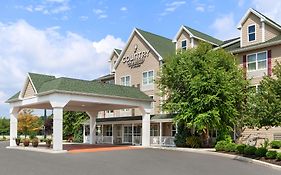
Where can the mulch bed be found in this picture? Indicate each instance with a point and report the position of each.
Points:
(272, 161)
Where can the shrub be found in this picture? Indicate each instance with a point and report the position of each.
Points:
(240, 148)
(278, 156)
(275, 144)
(182, 135)
(261, 152)
(271, 154)
(250, 150)
(230, 147)
(220, 146)
(193, 142)
(224, 135)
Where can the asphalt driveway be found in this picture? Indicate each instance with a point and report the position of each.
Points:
(123, 162)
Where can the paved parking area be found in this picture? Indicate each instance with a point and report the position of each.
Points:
(123, 162)
(87, 148)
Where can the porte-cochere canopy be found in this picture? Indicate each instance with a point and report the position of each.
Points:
(48, 92)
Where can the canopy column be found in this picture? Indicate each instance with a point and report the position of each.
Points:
(13, 125)
(57, 124)
(145, 126)
(93, 117)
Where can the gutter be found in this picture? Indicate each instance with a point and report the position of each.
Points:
(256, 47)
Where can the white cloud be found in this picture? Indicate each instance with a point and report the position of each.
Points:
(123, 9)
(225, 27)
(84, 18)
(200, 9)
(100, 13)
(48, 6)
(171, 7)
(270, 8)
(24, 48)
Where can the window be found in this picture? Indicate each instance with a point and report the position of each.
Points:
(126, 81)
(252, 33)
(147, 78)
(183, 44)
(257, 61)
(254, 88)
(154, 130)
(174, 130)
(108, 130)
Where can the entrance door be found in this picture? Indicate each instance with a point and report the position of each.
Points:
(127, 134)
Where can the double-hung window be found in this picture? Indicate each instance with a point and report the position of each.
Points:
(147, 78)
(252, 33)
(126, 81)
(183, 44)
(257, 61)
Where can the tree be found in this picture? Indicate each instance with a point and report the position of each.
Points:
(72, 125)
(204, 88)
(264, 106)
(28, 123)
(4, 126)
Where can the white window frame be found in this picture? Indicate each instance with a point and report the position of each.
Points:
(154, 130)
(148, 78)
(252, 32)
(125, 80)
(256, 61)
(256, 86)
(185, 48)
(173, 130)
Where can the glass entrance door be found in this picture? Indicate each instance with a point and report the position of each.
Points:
(127, 134)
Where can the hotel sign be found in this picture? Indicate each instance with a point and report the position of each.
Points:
(136, 59)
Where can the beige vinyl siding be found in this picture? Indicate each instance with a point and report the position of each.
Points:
(29, 91)
(136, 74)
(183, 36)
(113, 59)
(270, 32)
(252, 19)
(266, 133)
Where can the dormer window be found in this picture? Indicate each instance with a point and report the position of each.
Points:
(183, 44)
(252, 32)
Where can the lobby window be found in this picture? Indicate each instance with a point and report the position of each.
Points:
(147, 77)
(174, 130)
(252, 32)
(108, 131)
(183, 45)
(257, 61)
(154, 130)
(126, 81)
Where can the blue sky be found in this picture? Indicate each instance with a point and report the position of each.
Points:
(75, 38)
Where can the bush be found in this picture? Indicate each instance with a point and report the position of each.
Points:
(261, 152)
(278, 156)
(193, 142)
(182, 135)
(275, 144)
(250, 150)
(271, 154)
(221, 145)
(224, 135)
(230, 147)
(240, 148)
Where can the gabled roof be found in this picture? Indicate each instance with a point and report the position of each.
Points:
(274, 41)
(118, 51)
(115, 51)
(199, 35)
(49, 84)
(261, 16)
(162, 46)
(105, 77)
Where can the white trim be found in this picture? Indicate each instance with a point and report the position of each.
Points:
(248, 34)
(128, 43)
(250, 10)
(263, 31)
(130, 82)
(185, 44)
(227, 44)
(28, 79)
(147, 75)
(256, 61)
(190, 35)
(192, 42)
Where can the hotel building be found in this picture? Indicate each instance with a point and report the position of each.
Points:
(138, 63)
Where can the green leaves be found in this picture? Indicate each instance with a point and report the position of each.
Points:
(204, 87)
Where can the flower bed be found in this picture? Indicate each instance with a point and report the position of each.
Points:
(262, 153)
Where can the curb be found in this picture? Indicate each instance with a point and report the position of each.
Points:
(36, 150)
(212, 152)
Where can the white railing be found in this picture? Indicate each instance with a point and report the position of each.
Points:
(103, 139)
(165, 141)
